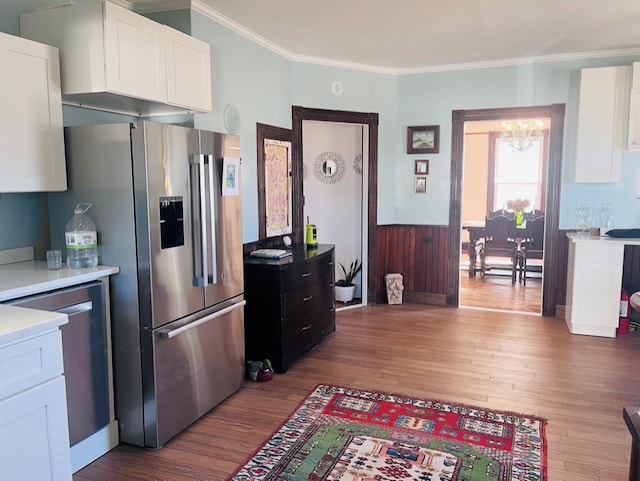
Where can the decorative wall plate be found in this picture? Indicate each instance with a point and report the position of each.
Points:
(357, 164)
(329, 167)
(231, 118)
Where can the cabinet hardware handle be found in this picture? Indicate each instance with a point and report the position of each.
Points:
(306, 274)
(308, 326)
(308, 298)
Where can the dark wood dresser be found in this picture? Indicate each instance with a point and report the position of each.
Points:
(290, 304)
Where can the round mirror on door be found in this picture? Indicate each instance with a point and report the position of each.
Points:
(329, 167)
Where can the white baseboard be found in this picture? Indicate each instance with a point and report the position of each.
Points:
(91, 448)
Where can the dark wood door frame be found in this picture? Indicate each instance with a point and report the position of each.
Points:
(299, 114)
(555, 113)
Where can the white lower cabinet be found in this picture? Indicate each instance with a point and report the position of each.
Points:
(34, 432)
(594, 284)
(34, 441)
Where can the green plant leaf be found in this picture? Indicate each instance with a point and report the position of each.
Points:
(349, 275)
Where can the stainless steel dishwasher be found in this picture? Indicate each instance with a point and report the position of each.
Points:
(84, 344)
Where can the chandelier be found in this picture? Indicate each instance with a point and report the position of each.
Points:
(521, 135)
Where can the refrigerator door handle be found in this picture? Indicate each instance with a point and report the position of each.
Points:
(201, 211)
(170, 333)
(213, 278)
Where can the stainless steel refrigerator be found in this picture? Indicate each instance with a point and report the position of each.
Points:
(171, 220)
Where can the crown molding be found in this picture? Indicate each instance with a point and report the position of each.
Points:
(217, 17)
(567, 57)
(154, 6)
(203, 9)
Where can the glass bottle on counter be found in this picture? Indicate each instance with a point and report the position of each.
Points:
(606, 216)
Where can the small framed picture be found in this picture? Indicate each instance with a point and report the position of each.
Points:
(420, 185)
(423, 139)
(422, 167)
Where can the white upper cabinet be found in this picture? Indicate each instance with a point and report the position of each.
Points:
(633, 137)
(601, 124)
(32, 157)
(188, 70)
(135, 55)
(116, 60)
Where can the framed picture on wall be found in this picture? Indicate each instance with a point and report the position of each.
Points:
(420, 185)
(275, 208)
(423, 139)
(422, 167)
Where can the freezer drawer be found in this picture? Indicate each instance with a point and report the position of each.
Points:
(198, 365)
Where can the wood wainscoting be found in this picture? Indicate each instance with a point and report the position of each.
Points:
(420, 254)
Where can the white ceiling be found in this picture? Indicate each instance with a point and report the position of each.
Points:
(406, 36)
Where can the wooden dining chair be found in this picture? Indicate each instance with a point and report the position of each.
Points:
(499, 240)
(533, 244)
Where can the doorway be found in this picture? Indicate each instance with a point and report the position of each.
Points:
(369, 121)
(500, 177)
(335, 164)
(555, 113)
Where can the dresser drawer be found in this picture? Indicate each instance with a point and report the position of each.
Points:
(309, 299)
(306, 331)
(300, 276)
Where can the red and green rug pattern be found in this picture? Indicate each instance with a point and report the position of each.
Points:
(340, 433)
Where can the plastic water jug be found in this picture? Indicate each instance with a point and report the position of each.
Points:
(81, 239)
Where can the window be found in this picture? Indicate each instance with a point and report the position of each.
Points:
(516, 175)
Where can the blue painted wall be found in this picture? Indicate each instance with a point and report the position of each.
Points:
(264, 86)
(428, 99)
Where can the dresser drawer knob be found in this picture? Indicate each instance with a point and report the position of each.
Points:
(307, 298)
(307, 327)
(306, 274)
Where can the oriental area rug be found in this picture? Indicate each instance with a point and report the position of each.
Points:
(347, 434)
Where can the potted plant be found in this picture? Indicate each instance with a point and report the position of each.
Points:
(345, 287)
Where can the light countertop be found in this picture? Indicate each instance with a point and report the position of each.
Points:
(575, 237)
(32, 277)
(17, 323)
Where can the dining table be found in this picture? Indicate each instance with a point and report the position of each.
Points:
(476, 230)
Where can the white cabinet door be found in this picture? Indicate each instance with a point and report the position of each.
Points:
(32, 155)
(601, 124)
(188, 71)
(633, 132)
(34, 439)
(593, 287)
(135, 54)
(634, 120)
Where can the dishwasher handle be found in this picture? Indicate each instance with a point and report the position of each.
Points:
(170, 333)
(76, 308)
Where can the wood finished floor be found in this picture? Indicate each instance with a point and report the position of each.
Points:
(497, 292)
(516, 362)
